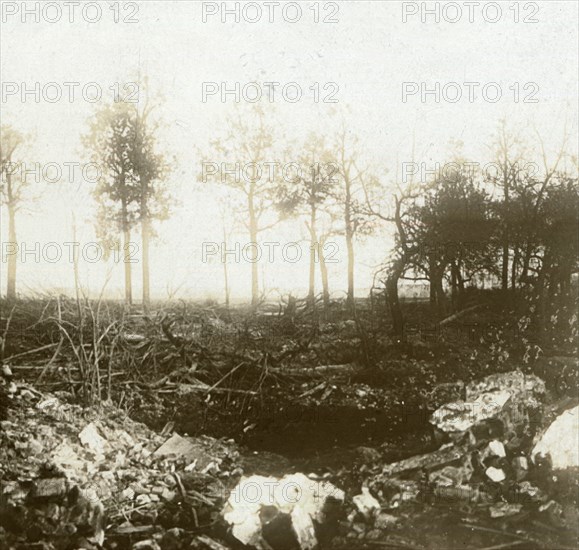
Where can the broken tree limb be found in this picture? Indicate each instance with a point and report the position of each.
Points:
(224, 377)
(30, 352)
(459, 314)
(443, 456)
(349, 368)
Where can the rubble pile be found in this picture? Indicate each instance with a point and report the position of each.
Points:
(497, 457)
(69, 474)
(73, 477)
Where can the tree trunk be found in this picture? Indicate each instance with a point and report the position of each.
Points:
(505, 261)
(314, 249)
(542, 299)
(436, 276)
(75, 262)
(350, 248)
(516, 257)
(349, 245)
(126, 242)
(393, 299)
(253, 242)
(431, 277)
(324, 274)
(145, 238)
(225, 273)
(12, 258)
(127, 262)
(454, 285)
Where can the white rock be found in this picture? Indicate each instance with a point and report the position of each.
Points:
(495, 474)
(90, 438)
(303, 527)
(459, 416)
(65, 457)
(521, 463)
(366, 503)
(303, 499)
(560, 441)
(504, 509)
(496, 448)
(141, 500)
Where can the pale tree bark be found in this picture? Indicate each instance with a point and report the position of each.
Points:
(126, 244)
(505, 259)
(314, 250)
(349, 241)
(145, 240)
(350, 248)
(10, 141)
(12, 258)
(225, 271)
(324, 274)
(253, 230)
(75, 262)
(127, 262)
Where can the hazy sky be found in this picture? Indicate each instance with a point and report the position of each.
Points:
(369, 53)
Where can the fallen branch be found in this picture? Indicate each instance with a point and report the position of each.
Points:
(459, 314)
(30, 352)
(224, 377)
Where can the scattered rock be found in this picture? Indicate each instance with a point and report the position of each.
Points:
(385, 521)
(511, 398)
(496, 448)
(521, 467)
(367, 505)
(559, 442)
(504, 509)
(90, 438)
(460, 416)
(495, 474)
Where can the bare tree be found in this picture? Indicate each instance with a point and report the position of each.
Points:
(248, 147)
(122, 139)
(508, 153)
(151, 169)
(11, 192)
(117, 192)
(354, 185)
(305, 197)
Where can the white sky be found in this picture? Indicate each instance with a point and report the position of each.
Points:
(369, 53)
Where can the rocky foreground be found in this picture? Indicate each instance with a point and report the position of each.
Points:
(503, 472)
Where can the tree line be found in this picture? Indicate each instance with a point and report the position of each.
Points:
(514, 227)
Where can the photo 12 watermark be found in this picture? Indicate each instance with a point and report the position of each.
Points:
(422, 172)
(69, 92)
(52, 172)
(470, 92)
(268, 171)
(270, 252)
(470, 12)
(270, 92)
(68, 252)
(270, 12)
(70, 12)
